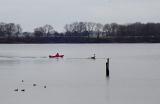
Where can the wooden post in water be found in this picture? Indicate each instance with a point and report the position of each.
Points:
(107, 68)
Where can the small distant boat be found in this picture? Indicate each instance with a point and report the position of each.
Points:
(93, 57)
(56, 56)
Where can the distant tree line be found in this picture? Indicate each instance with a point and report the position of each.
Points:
(82, 32)
(10, 30)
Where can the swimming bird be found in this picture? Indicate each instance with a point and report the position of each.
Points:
(44, 86)
(34, 84)
(23, 90)
(16, 89)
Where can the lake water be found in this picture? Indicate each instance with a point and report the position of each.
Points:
(75, 79)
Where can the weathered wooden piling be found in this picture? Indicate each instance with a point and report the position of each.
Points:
(107, 68)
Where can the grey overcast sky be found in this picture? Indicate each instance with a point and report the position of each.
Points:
(33, 13)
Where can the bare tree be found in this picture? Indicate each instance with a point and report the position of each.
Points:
(98, 29)
(81, 27)
(44, 31)
(39, 32)
(18, 30)
(2, 29)
(10, 29)
(48, 30)
(107, 29)
(90, 26)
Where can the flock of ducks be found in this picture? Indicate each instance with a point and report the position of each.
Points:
(23, 90)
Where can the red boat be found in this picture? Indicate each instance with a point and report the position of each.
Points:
(56, 56)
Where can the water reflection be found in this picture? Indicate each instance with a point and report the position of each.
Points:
(134, 74)
(9, 62)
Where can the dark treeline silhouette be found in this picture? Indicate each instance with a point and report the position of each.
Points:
(83, 32)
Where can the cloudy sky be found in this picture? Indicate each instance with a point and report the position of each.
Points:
(33, 13)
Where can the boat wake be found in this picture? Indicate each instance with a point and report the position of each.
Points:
(26, 57)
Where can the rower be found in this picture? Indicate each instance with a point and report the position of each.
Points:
(57, 54)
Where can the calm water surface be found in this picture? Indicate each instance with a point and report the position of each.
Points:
(75, 79)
